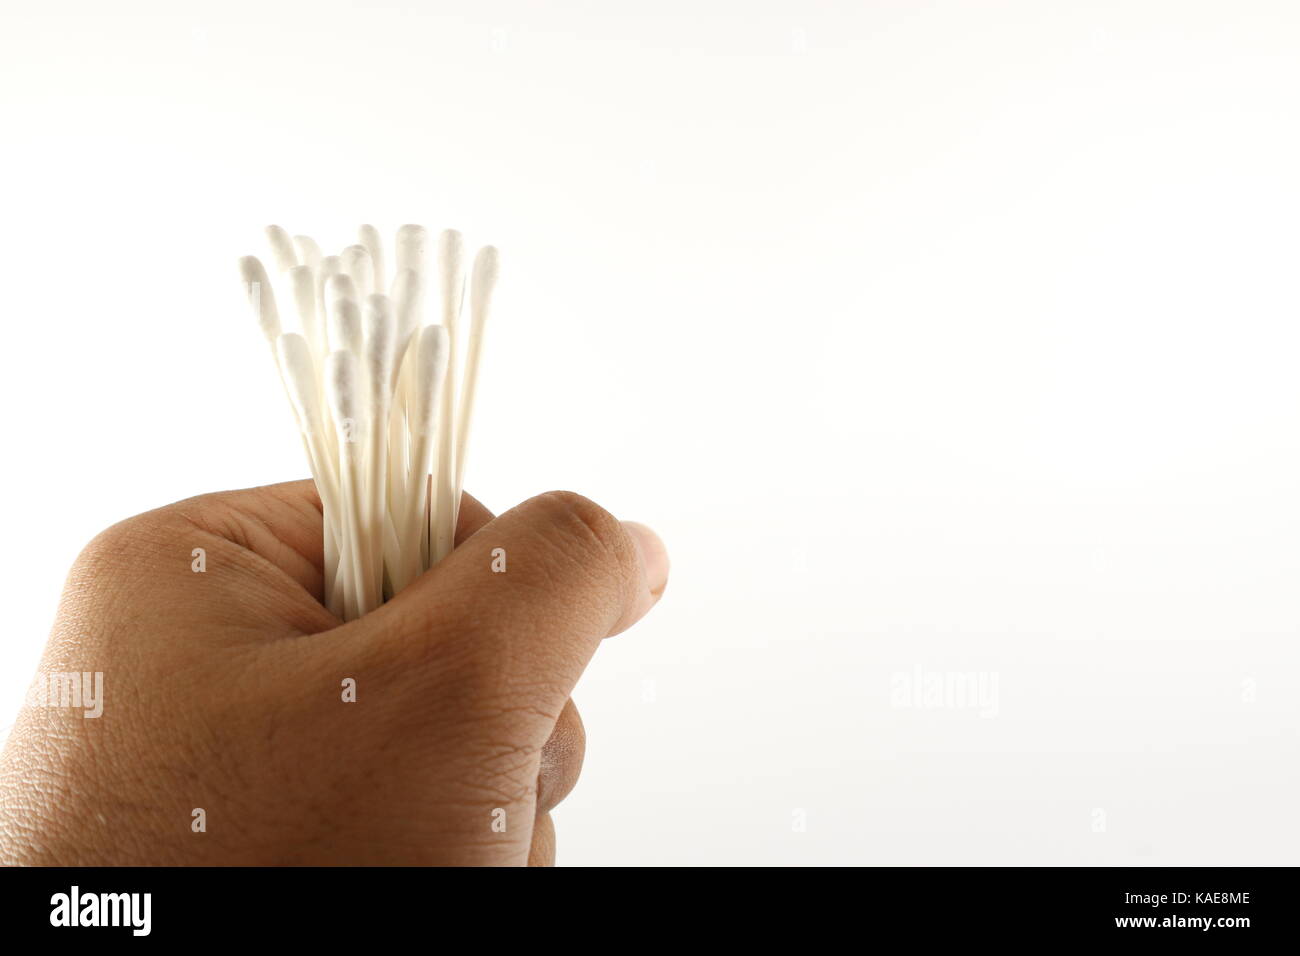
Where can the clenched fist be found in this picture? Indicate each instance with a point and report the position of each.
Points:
(242, 723)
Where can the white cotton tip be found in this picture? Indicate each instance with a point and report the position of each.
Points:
(329, 266)
(430, 368)
(303, 282)
(339, 318)
(368, 236)
(300, 379)
(343, 319)
(341, 286)
(260, 296)
(357, 263)
(406, 306)
(380, 348)
(451, 274)
(281, 248)
(309, 253)
(343, 391)
(486, 266)
(412, 249)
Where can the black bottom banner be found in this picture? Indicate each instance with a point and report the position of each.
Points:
(971, 905)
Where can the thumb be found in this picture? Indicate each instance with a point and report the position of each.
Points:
(505, 625)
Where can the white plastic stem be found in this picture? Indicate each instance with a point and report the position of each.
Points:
(451, 288)
(482, 285)
(433, 352)
(380, 342)
(299, 376)
(343, 386)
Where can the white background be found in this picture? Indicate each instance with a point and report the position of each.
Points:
(947, 336)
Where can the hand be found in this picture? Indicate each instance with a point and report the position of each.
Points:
(223, 691)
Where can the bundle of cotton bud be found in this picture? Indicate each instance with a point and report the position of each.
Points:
(380, 397)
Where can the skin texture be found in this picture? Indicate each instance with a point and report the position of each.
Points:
(223, 691)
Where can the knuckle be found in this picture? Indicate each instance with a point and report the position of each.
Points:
(123, 544)
(578, 522)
